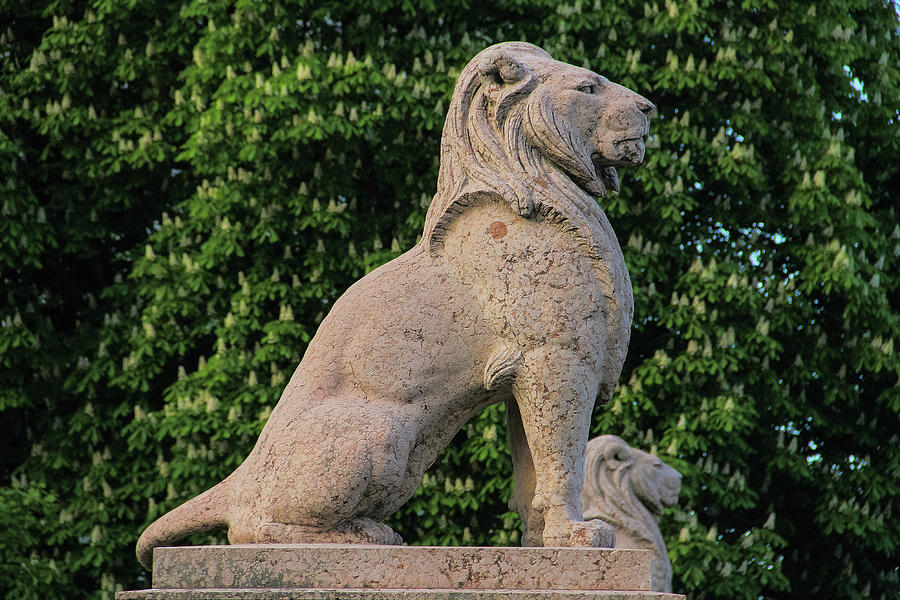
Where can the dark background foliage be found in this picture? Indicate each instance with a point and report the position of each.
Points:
(186, 187)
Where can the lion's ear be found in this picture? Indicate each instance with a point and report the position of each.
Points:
(501, 68)
(618, 455)
(507, 79)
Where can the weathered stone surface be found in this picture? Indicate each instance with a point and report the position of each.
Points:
(628, 488)
(398, 572)
(517, 293)
(363, 594)
(406, 567)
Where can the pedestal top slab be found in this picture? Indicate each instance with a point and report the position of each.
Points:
(369, 594)
(348, 566)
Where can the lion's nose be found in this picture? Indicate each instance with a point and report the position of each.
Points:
(645, 106)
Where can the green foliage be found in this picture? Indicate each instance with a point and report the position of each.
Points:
(186, 188)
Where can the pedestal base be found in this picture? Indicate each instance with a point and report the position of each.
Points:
(360, 572)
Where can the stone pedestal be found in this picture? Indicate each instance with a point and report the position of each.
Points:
(361, 572)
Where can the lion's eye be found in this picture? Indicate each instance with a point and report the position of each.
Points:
(587, 89)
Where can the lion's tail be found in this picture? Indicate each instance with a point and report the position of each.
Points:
(203, 513)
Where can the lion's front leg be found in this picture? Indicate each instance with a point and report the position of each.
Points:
(555, 389)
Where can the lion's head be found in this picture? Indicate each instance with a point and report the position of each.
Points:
(629, 488)
(540, 134)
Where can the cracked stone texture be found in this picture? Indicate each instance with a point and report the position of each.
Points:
(364, 594)
(407, 567)
(407, 572)
(629, 488)
(517, 293)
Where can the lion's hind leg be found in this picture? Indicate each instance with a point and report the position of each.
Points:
(331, 475)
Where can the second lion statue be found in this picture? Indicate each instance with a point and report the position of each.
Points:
(516, 293)
(628, 488)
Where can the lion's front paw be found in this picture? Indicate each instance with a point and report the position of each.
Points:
(594, 533)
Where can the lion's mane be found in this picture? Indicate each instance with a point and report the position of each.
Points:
(507, 145)
(502, 143)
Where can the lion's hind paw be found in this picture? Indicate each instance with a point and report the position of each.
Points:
(360, 530)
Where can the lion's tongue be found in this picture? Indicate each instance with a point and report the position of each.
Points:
(610, 178)
(595, 187)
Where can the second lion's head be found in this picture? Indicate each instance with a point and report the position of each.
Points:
(536, 131)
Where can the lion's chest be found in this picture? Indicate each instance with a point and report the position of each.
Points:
(534, 283)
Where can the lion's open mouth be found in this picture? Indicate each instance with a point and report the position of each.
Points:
(626, 152)
(607, 179)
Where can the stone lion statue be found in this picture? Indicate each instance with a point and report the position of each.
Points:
(629, 489)
(516, 293)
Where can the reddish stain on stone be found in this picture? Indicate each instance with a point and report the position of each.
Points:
(497, 229)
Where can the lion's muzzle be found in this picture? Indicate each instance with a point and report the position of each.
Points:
(623, 128)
